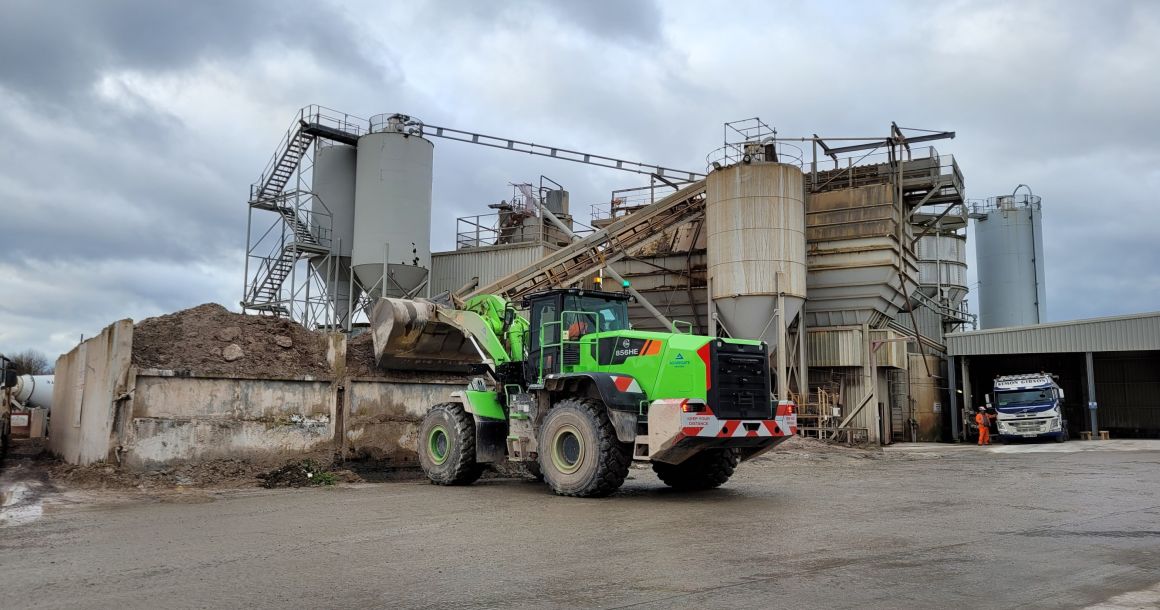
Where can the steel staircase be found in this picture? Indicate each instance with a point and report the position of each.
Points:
(596, 251)
(269, 193)
(265, 291)
(273, 182)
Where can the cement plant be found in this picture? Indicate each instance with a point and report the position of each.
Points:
(782, 342)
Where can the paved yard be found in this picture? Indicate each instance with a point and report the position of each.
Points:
(1049, 526)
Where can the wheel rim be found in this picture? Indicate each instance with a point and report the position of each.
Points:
(567, 449)
(438, 444)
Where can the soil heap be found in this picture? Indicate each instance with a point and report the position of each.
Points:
(211, 340)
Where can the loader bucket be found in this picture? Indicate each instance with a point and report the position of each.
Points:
(413, 335)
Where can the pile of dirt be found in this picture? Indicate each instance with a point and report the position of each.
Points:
(360, 357)
(211, 340)
(301, 474)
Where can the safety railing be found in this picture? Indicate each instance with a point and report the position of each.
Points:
(498, 229)
(312, 114)
(567, 348)
(753, 140)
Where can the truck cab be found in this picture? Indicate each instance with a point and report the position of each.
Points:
(1029, 407)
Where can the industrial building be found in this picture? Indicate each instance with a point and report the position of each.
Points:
(1109, 369)
(846, 255)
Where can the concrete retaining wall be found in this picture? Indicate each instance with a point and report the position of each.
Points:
(90, 381)
(105, 409)
(382, 419)
(193, 418)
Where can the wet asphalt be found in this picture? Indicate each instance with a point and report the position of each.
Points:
(910, 527)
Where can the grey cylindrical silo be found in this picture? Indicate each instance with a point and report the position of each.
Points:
(1009, 252)
(333, 185)
(756, 246)
(942, 264)
(392, 213)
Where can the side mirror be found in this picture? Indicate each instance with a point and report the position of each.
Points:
(10, 378)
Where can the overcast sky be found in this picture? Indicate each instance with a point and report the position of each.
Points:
(130, 131)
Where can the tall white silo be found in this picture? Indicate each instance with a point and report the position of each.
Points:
(756, 247)
(392, 217)
(1009, 252)
(333, 185)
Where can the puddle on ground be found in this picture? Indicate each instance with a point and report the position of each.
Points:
(19, 505)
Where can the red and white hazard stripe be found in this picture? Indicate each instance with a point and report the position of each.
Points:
(704, 424)
(625, 383)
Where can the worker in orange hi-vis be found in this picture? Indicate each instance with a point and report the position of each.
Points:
(577, 329)
(984, 423)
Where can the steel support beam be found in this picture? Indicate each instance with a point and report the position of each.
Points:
(952, 382)
(558, 153)
(1091, 392)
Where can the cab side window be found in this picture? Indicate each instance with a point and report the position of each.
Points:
(546, 314)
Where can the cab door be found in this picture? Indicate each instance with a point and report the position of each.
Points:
(544, 339)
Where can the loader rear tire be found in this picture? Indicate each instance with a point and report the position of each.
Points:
(579, 453)
(447, 445)
(706, 470)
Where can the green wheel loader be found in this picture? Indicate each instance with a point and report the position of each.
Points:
(563, 384)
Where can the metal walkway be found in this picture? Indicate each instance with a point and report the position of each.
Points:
(608, 245)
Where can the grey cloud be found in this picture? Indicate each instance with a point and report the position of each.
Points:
(133, 207)
(52, 50)
(614, 21)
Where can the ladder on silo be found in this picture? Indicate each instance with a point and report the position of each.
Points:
(582, 258)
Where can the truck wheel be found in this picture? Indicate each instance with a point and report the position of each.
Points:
(706, 470)
(579, 452)
(447, 445)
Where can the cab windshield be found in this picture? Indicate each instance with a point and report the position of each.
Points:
(1022, 397)
(584, 315)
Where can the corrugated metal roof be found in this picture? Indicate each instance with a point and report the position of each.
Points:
(1115, 334)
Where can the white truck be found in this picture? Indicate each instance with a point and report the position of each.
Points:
(1029, 407)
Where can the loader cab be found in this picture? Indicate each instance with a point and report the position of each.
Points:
(560, 319)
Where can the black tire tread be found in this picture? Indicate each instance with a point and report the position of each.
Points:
(466, 470)
(615, 457)
(706, 470)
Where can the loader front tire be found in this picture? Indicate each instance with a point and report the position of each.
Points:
(447, 445)
(579, 453)
(705, 470)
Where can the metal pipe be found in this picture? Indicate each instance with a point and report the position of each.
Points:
(803, 364)
(711, 308)
(782, 361)
(616, 276)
